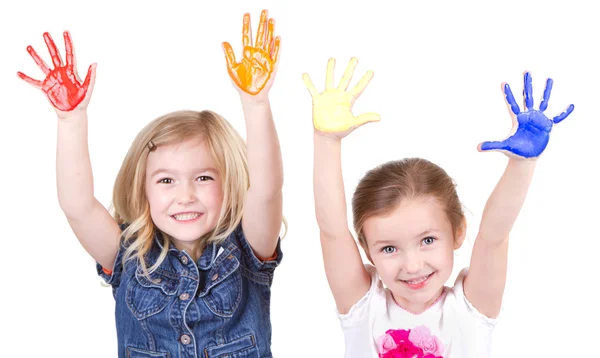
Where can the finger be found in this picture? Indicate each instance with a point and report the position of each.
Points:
(70, 55)
(68, 48)
(563, 115)
(269, 41)
(260, 34)
(275, 54)
(309, 85)
(528, 91)
(41, 64)
(546, 97)
(229, 55)
(246, 31)
(511, 99)
(361, 85)
(348, 74)
(31, 81)
(493, 145)
(329, 74)
(367, 117)
(56, 60)
(88, 83)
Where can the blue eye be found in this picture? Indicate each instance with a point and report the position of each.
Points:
(428, 240)
(388, 249)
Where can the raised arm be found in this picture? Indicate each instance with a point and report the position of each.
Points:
(333, 120)
(253, 78)
(92, 224)
(484, 285)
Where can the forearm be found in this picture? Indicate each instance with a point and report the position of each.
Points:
(330, 199)
(73, 169)
(264, 153)
(505, 202)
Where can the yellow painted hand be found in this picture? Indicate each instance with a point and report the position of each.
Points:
(332, 109)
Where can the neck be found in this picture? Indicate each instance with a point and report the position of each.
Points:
(417, 307)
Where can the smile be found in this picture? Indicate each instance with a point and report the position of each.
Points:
(418, 282)
(186, 217)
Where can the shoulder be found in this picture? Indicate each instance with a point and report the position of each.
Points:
(367, 305)
(462, 306)
(256, 267)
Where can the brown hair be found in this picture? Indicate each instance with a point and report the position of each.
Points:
(383, 188)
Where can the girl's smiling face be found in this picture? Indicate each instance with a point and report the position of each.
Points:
(184, 191)
(413, 250)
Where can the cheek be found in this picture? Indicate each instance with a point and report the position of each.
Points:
(443, 257)
(387, 268)
(156, 199)
(213, 197)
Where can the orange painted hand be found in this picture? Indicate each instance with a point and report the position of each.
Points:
(332, 109)
(256, 70)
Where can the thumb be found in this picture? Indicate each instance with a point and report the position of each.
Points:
(366, 118)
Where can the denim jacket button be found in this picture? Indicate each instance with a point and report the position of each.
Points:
(184, 260)
(185, 339)
(184, 296)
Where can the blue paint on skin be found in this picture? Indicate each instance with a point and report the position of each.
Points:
(528, 92)
(533, 132)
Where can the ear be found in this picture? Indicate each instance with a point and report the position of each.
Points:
(461, 232)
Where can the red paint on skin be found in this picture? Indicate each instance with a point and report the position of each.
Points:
(252, 73)
(62, 85)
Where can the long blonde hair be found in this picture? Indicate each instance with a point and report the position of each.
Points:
(129, 196)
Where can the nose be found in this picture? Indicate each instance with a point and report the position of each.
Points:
(186, 194)
(412, 263)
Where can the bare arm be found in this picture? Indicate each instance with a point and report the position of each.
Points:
(90, 221)
(344, 268)
(263, 202)
(484, 285)
(333, 120)
(94, 227)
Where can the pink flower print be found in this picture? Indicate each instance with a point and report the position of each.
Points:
(422, 338)
(399, 335)
(385, 343)
(405, 350)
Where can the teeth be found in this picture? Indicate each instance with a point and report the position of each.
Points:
(419, 280)
(188, 216)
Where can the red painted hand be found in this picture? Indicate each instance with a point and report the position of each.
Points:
(62, 84)
(256, 70)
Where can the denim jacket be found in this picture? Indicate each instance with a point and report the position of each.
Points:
(217, 307)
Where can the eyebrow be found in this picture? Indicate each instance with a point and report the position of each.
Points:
(383, 242)
(167, 170)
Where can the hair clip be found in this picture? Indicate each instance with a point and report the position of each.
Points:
(151, 146)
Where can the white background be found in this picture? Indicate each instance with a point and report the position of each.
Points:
(438, 70)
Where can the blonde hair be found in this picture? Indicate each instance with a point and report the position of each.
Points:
(129, 196)
(383, 188)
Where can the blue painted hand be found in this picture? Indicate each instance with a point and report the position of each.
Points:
(532, 126)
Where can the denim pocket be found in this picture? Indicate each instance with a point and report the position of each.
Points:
(244, 347)
(223, 291)
(146, 297)
(140, 353)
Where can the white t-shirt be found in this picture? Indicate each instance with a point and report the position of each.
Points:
(450, 328)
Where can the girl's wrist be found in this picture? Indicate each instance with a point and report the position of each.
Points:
(72, 116)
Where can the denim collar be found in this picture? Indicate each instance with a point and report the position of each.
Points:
(206, 260)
